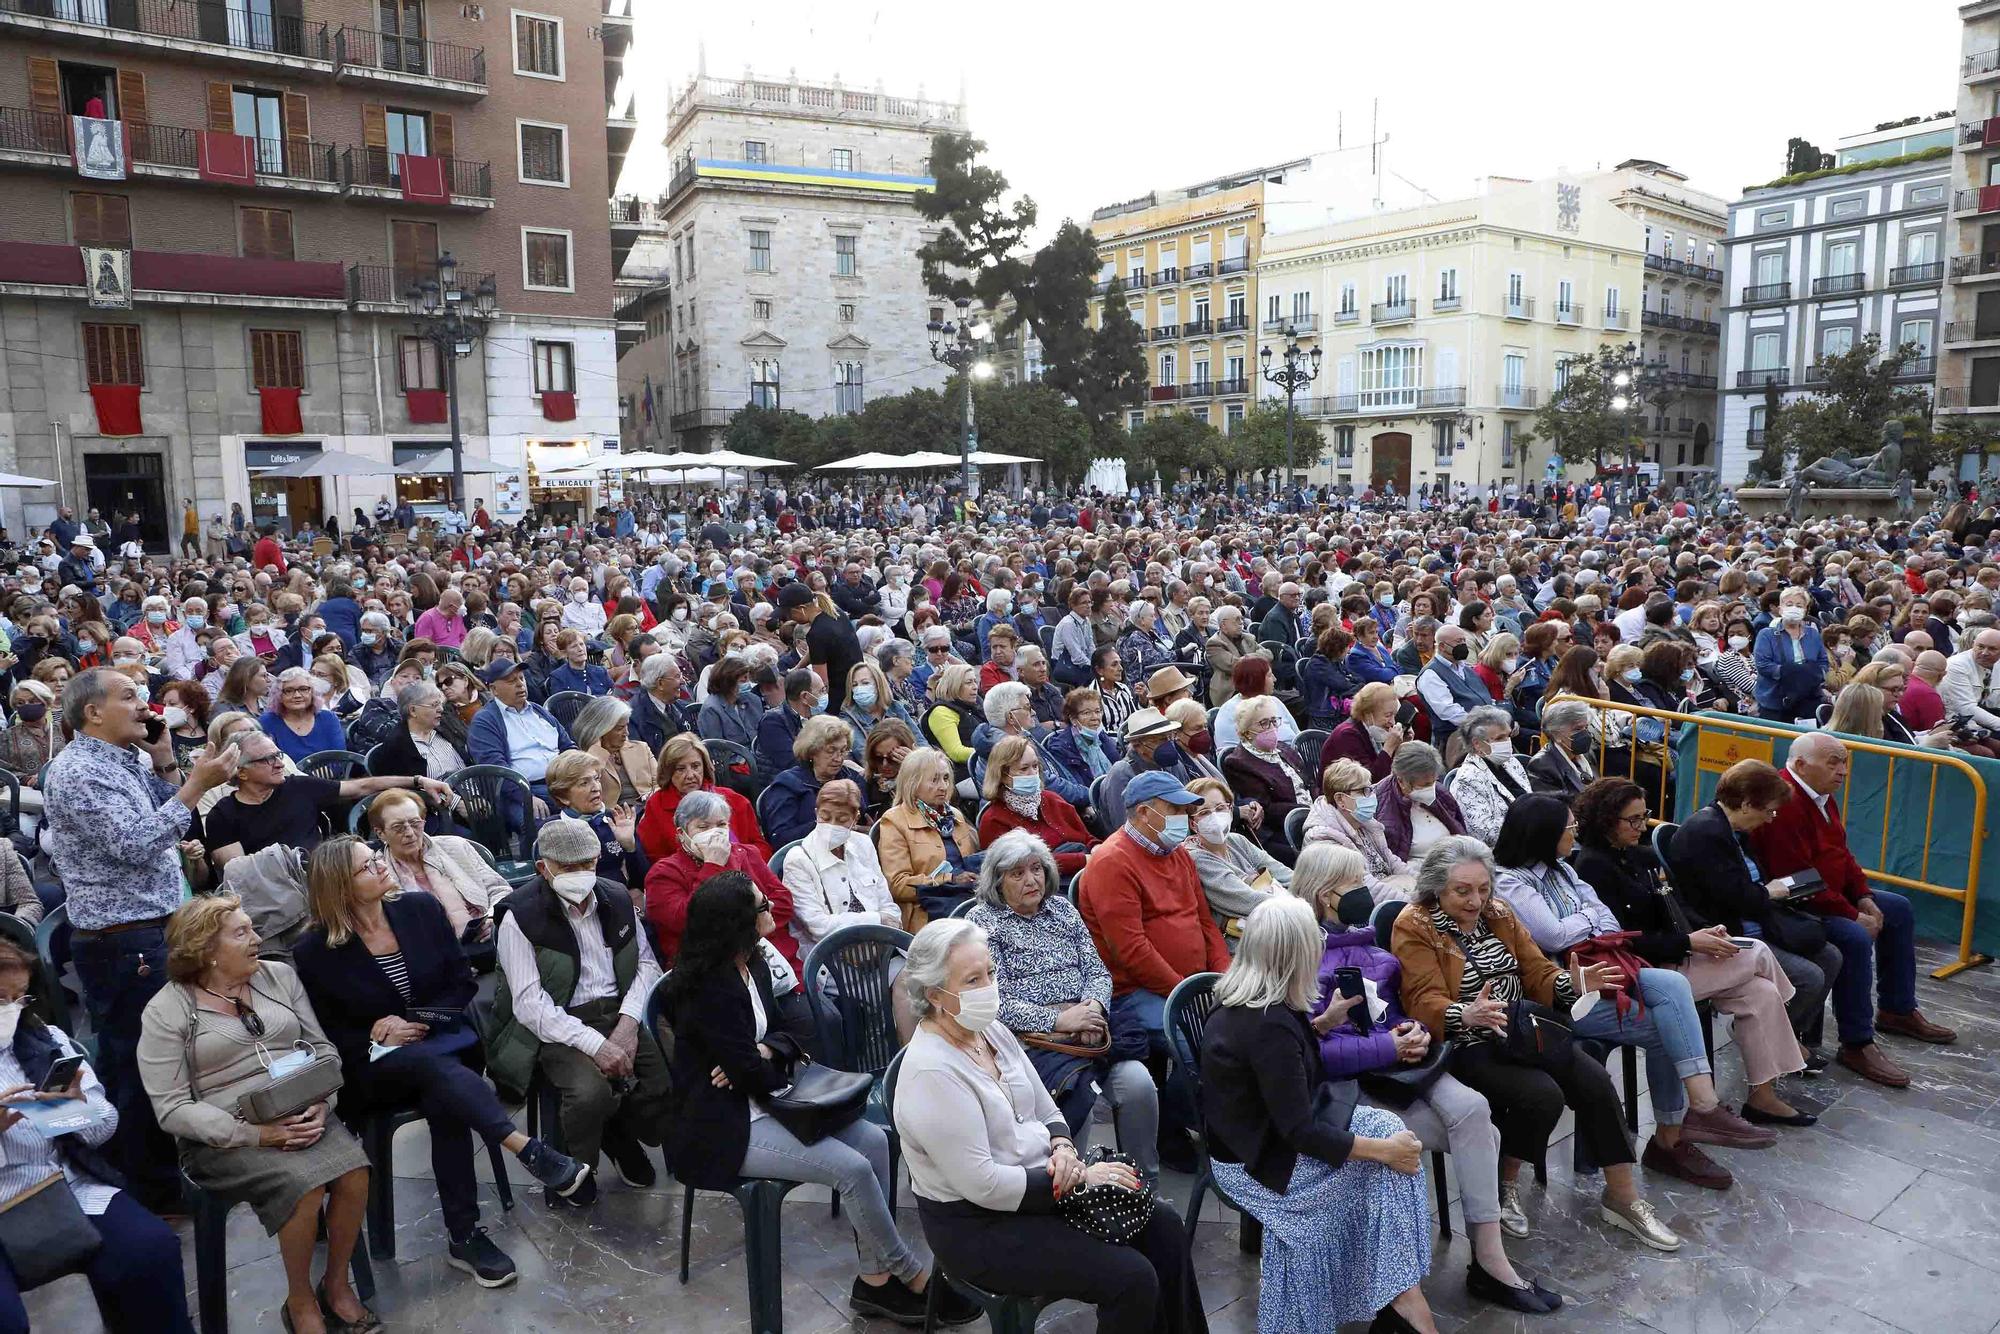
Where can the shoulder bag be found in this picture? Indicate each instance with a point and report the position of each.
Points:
(1108, 1213)
(44, 1233)
(1400, 1085)
(819, 1101)
(1535, 1035)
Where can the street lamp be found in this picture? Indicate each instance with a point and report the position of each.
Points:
(958, 344)
(1631, 380)
(1299, 370)
(453, 321)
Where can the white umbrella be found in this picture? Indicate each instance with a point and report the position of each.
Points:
(729, 458)
(13, 479)
(332, 463)
(869, 462)
(988, 457)
(928, 458)
(439, 464)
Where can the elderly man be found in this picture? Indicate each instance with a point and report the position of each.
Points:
(1031, 667)
(1971, 684)
(444, 624)
(1286, 622)
(1873, 929)
(1225, 648)
(271, 806)
(1168, 686)
(1142, 900)
(1151, 743)
(657, 711)
(116, 833)
(1448, 685)
(185, 653)
(779, 728)
(1923, 706)
(512, 732)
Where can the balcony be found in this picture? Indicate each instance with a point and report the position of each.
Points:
(1195, 273)
(1293, 324)
(363, 55)
(162, 277)
(1392, 312)
(1919, 368)
(1917, 275)
(1347, 317)
(1232, 324)
(1516, 396)
(1161, 331)
(1754, 437)
(1240, 264)
(1665, 264)
(1519, 308)
(1985, 199)
(1701, 273)
(1135, 280)
(1232, 388)
(1762, 294)
(1569, 315)
(1162, 393)
(631, 211)
(1814, 375)
(170, 152)
(1983, 265)
(369, 174)
(700, 419)
(1759, 378)
(1444, 396)
(1980, 64)
(1689, 380)
(1200, 328)
(210, 28)
(1198, 389)
(1967, 331)
(1166, 277)
(1840, 284)
(376, 288)
(1441, 304)
(1980, 132)
(1617, 319)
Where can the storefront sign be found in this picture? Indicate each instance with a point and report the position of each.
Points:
(258, 458)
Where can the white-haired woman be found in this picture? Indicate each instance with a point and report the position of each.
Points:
(603, 728)
(990, 1155)
(1267, 770)
(1055, 993)
(1338, 1187)
(1345, 814)
(835, 878)
(297, 722)
(1491, 777)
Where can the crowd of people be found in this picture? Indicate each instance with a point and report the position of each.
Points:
(1402, 785)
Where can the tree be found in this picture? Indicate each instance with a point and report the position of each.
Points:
(916, 419)
(1856, 393)
(774, 433)
(1170, 445)
(833, 438)
(1578, 420)
(974, 257)
(1035, 420)
(1802, 156)
(1928, 445)
(1258, 443)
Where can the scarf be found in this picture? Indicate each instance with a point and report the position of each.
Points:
(1301, 794)
(1028, 808)
(1092, 751)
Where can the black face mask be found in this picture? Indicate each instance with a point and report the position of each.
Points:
(31, 713)
(1460, 652)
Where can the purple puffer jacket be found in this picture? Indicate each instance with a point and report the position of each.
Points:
(1344, 1050)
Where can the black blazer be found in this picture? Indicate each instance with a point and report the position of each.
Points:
(1630, 883)
(1265, 1094)
(349, 991)
(1706, 857)
(709, 1131)
(399, 754)
(1554, 773)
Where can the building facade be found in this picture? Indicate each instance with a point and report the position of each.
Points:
(791, 236)
(1816, 265)
(216, 210)
(1443, 328)
(1969, 369)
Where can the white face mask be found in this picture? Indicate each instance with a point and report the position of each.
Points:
(10, 1017)
(574, 886)
(713, 843)
(1739, 641)
(978, 1008)
(1509, 664)
(835, 834)
(1213, 827)
(175, 716)
(1501, 748)
(1424, 796)
(1793, 615)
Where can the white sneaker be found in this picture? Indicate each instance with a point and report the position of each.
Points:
(1512, 1220)
(1639, 1219)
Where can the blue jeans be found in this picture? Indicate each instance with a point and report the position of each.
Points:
(120, 972)
(855, 1162)
(136, 1276)
(1148, 1009)
(1893, 955)
(1669, 1030)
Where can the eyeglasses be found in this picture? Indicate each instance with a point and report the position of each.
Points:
(273, 758)
(403, 827)
(763, 906)
(1630, 821)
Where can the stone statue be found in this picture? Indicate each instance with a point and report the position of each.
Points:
(1906, 495)
(1877, 471)
(1795, 494)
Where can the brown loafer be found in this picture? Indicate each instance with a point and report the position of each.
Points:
(1686, 1161)
(1913, 1025)
(1721, 1126)
(1868, 1061)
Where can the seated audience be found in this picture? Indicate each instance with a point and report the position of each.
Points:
(685, 767)
(707, 848)
(1236, 873)
(429, 738)
(834, 876)
(1345, 814)
(602, 730)
(1490, 778)
(298, 721)
(1567, 761)
(1265, 769)
(576, 792)
(929, 851)
(447, 867)
(820, 751)
(270, 805)
(1016, 799)
(1413, 808)
(1082, 745)
(1370, 735)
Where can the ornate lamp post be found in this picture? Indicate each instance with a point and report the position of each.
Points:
(1298, 370)
(1630, 380)
(453, 320)
(959, 344)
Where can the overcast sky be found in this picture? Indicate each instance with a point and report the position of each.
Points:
(1086, 103)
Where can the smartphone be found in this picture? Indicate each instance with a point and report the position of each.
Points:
(61, 1071)
(154, 726)
(470, 936)
(1350, 984)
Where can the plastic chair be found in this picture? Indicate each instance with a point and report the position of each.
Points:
(1295, 827)
(56, 1001)
(211, 1258)
(735, 766)
(778, 857)
(336, 766)
(762, 1201)
(50, 1006)
(856, 1017)
(963, 909)
(1099, 786)
(1047, 634)
(377, 1133)
(564, 705)
(497, 803)
(1005, 1314)
(1188, 1008)
(1308, 744)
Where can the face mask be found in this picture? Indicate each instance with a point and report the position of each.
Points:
(175, 716)
(126, 660)
(86, 645)
(1214, 826)
(1025, 785)
(864, 697)
(1739, 641)
(156, 618)
(1089, 733)
(1460, 652)
(1631, 674)
(196, 622)
(1364, 806)
(818, 704)
(835, 834)
(978, 1008)
(746, 689)
(1379, 735)
(1687, 673)
(1266, 737)
(580, 596)
(369, 637)
(290, 1063)
(680, 613)
(145, 692)
(10, 1016)
(1174, 832)
(1793, 615)
(711, 842)
(32, 713)
(1501, 748)
(574, 886)
(1386, 600)
(1424, 796)
(1509, 664)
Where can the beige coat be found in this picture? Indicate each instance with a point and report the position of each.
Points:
(639, 765)
(911, 848)
(1223, 654)
(460, 880)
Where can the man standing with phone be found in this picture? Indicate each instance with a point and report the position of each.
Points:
(115, 826)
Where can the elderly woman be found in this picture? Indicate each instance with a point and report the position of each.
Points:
(929, 851)
(602, 730)
(1791, 660)
(1372, 1041)
(1491, 777)
(836, 878)
(1083, 746)
(576, 783)
(1251, 680)
(888, 743)
(576, 671)
(422, 742)
(1370, 735)
(299, 724)
(954, 714)
(989, 1155)
(869, 702)
(371, 959)
(1236, 873)
(464, 696)
(1563, 914)
(685, 767)
(1016, 799)
(732, 708)
(1113, 693)
(445, 866)
(1467, 960)
(1265, 769)
(31, 739)
(1567, 761)
(821, 752)
(1338, 1187)
(1740, 975)
(1345, 815)
(206, 1039)
(1415, 811)
(1000, 650)
(1145, 647)
(707, 849)
(1055, 992)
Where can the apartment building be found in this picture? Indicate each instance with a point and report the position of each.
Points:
(793, 279)
(1443, 327)
(1816, 264)
(1187, 259)
(1969, 358)
(215, 212)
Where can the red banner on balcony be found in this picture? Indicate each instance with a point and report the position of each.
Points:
(424, 179)
(1989, 198)
(559, 405)
(225, 158)
(425, 405)
(281, 411)
(117, 408)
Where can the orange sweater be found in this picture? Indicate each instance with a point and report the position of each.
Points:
(1148, 916)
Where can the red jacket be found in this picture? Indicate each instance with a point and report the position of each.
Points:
(1798, 838)
(268, 551)
(1148, 917)
(1059, 824)
(660, 839)
(992, 674)
(671, 883)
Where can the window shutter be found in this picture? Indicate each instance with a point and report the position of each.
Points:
(267, 233)
(132, 95)
(441, 135)
(44, 85)
(374, 126)
(221, 107)
(100, 219)
(298, 136)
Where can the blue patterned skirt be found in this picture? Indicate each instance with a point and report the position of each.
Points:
(1342, 1242)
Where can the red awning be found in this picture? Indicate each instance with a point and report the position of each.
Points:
(559, 405)
(117, 408)
(281, 411)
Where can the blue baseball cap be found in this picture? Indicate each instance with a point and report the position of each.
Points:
(1158, 785)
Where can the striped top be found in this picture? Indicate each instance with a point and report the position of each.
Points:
(396, 971)
(1488, 960)
(26, 1157)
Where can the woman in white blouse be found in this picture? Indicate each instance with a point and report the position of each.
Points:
(1491, 777)
(990, 1156)
(835, 878)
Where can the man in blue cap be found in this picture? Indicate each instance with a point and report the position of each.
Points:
(515, 733)
(1142, 900)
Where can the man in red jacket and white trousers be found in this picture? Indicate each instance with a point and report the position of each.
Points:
(1873, 929)
(1142, 900)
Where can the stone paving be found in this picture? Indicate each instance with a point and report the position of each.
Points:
(1884, 1217)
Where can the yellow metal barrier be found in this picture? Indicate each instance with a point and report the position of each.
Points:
(1721, 742)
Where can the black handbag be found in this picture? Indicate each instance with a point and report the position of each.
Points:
(1400, 1085)
(1108, 1213)
(1794, 931)
(1536, 1037)
(44, 1233)
(819, 1101)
